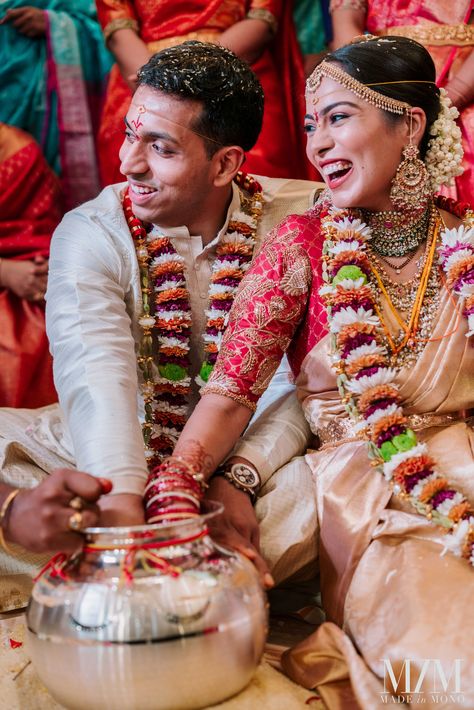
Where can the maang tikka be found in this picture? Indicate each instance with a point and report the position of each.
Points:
(411, 187)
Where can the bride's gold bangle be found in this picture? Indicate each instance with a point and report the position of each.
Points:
(3, 514)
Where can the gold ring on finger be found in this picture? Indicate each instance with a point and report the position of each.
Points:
(77, 503)
(75, 522)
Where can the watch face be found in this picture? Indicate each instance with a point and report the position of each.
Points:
(245, 476)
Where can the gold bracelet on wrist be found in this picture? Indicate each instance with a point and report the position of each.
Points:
(3, 514)
(266, 16)
(121, 23)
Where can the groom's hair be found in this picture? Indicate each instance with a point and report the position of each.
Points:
(228, 90)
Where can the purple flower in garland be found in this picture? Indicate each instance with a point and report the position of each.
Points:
(441, 496)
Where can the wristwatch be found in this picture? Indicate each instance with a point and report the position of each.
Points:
(242, 476)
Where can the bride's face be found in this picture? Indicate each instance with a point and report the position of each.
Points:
(353, 145)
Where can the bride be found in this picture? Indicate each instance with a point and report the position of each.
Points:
(371, 294)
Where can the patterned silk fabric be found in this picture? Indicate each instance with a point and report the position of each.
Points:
(277, 309)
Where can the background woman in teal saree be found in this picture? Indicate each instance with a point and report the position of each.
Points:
(53, 67)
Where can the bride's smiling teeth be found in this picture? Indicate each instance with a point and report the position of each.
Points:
(336, 169)
(141, 189)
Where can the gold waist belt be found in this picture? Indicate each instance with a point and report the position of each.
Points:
(341, 431)
(435, 35)
(201, 35)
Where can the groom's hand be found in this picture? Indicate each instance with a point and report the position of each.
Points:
(122, 509)
(237, 527)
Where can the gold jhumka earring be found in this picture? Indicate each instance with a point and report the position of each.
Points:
(411, 188)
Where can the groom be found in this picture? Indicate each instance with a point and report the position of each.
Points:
(178, 235)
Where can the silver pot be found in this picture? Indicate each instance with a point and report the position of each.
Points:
(152, 617)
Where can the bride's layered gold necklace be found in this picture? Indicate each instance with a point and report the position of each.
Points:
(414, 303)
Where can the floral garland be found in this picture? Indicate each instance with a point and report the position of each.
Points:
(366, 381)
(166, 308)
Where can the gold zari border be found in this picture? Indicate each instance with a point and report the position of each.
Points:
(265, 15)
(200, 35)
(121, 23)
(435, 35)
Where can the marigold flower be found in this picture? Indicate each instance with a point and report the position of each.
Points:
(239, 249)
(459, 269)
(227, 273)
(169, 267)
(351, 331)
(385, 423)
(171, 294)
(157, 245)
(364, 361)
(431, 488)
(459, 511)
(239, 227)
(414, 465)
(377, 393)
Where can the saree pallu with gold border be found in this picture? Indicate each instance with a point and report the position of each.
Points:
(385, 585)
(29, 213)
(442, 27)
(280, 150)
(387, 591)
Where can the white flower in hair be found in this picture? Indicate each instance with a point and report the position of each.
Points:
(444, 156)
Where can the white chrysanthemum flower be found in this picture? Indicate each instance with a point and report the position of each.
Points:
(237, 238)
(170, 284)
(350, 284)
(347, 316)
(239, 216)
(454, 540)
(446, 505)
(218, 265)
(219, 288)
(167, 431)
(211, 338)
(466, 290)
(390, 466)
(185, 382)
(458, 255)
(344, 245)
(384, 376)
(169, 315)
(164, 406)
(416, 490)
(351, 224)
(167, 342)
(213, 313)
(366, 349)
(165, 258)
(326, 289)
(385, 412)
(462, 235)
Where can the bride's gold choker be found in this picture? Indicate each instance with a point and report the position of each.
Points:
(396, 233)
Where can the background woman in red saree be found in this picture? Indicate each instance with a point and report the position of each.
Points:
(29, 209)
(259, 31)
(445, 28)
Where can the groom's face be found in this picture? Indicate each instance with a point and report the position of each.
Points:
(164, 160)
